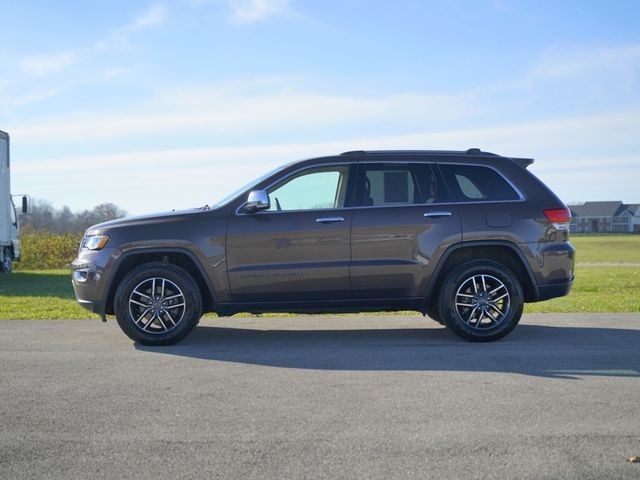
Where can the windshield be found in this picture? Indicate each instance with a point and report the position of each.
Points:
(250, 185)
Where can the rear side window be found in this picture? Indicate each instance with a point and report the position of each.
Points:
(474, 183)
(396, 184)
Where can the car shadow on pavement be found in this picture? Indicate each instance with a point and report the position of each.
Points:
(558, 352)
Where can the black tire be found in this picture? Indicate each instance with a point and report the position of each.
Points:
(6, 266)
(176, 298)
(434, 314)
(494, 308)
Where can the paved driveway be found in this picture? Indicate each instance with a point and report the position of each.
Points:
(331, 397)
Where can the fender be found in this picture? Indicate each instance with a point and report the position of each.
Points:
(479, 243)
(160, 250)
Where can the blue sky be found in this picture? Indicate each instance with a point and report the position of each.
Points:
(159, 105)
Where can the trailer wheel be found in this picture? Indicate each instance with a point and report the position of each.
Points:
(6, 265)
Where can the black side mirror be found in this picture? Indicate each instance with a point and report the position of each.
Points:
(25, 205)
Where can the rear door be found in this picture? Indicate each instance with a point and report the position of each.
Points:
(402, 223)
(298, 249)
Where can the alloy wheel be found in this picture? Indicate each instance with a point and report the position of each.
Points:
(482, 301)
(157, 305)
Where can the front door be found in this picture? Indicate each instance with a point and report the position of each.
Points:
(299, 248)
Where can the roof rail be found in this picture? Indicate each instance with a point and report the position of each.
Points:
(477, 151)
(470, 151)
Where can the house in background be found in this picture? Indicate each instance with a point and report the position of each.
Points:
(609, 217)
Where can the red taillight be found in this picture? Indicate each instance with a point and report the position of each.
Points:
(558, 215)
(559, 218)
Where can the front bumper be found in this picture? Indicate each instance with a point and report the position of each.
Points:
(93, 306)
(88, 275)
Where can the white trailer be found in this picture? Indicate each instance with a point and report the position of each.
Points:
(9, 223)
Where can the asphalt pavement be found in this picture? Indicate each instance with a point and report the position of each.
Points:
(322, 397)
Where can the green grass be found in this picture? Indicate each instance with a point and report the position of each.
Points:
(597, 289)
(39, 294)
(47, 294)
(607, 248)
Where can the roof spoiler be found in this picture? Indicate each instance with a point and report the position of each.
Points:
(523, 162)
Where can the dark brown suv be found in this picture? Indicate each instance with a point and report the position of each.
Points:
(465, 237)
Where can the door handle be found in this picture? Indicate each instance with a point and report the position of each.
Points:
(441, 213)
(329, 219)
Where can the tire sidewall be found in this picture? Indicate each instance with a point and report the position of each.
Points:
(193, 301)
(6, 266)
(448, 297)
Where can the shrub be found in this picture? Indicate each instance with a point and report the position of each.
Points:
(45, 250)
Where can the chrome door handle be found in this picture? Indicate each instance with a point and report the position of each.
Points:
(329, 219)
(442, 213)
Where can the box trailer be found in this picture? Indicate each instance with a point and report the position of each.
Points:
(9, 222)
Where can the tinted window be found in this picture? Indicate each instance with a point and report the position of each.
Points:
(469, 183)
(311, 190)
(389, 184)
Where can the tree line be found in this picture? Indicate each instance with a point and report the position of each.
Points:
(43, 216)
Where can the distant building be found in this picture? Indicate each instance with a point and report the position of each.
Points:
(610, 217)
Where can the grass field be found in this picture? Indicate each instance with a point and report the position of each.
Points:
(607, 248)
(48, 294)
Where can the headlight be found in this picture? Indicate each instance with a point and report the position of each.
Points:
(95, 242)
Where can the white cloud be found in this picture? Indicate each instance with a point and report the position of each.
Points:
(209, 111)
(573, 63)
(45, 64)
(153, 16)
(565, 152)
(249, 11)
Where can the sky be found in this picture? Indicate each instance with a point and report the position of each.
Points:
(173, 104)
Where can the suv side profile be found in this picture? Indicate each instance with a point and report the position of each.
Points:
(466, 237)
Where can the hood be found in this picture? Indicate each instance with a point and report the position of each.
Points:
(152, 218)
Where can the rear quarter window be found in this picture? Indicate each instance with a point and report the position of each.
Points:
(474, 183)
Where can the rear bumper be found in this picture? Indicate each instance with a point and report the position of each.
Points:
(553, 290)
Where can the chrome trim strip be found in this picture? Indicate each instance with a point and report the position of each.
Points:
(363, 160)
(329, 219)
(441, 213)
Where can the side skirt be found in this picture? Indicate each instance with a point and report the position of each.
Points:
(315, 307)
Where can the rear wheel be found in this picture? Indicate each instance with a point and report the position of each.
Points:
(157, 304)
(481, 301)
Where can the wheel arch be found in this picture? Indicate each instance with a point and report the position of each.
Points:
(503, 252)
(179, 257)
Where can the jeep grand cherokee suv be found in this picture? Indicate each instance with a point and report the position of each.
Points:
(465, 237)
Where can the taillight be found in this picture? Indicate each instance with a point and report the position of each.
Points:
(558, 217)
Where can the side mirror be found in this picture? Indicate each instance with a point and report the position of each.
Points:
(25, 205)
(257, 200)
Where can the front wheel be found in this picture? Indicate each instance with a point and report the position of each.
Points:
(481, 301)
(157, 304)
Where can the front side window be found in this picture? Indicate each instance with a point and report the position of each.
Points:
(474, 183)
(316, 189)
(396, 184)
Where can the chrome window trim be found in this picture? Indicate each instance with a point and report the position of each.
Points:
(521, 198)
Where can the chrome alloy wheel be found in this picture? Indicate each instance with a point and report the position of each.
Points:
(482, 301)
(157, 305)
